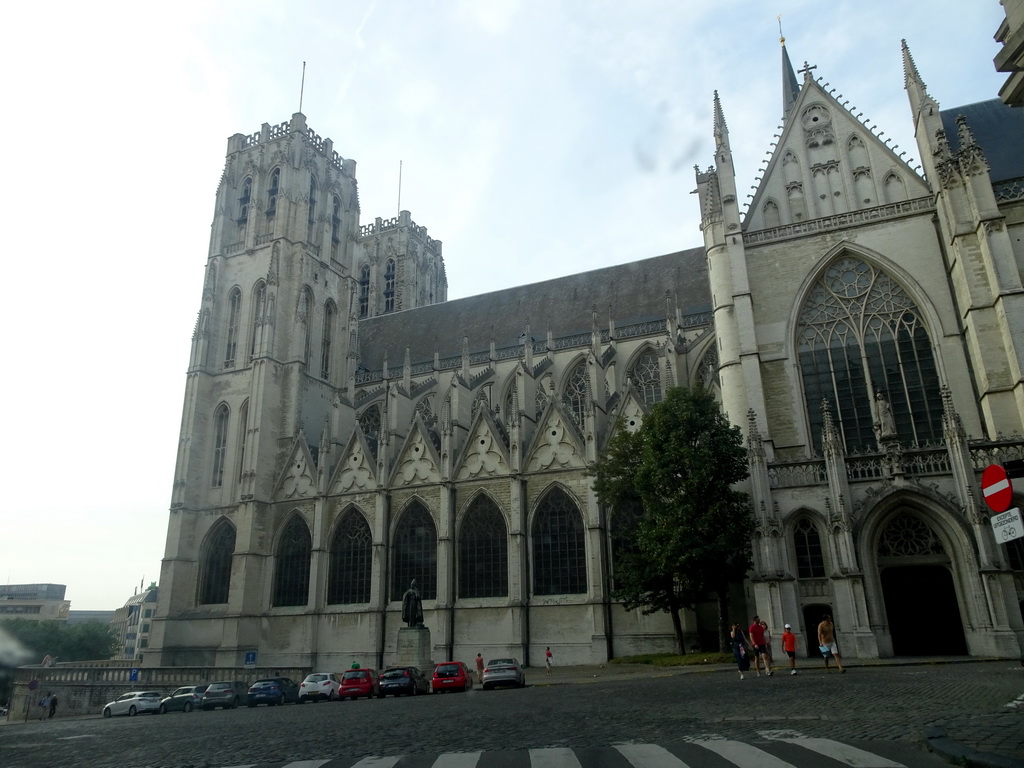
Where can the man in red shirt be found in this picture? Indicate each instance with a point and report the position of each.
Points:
(756, 634)
(480, 668)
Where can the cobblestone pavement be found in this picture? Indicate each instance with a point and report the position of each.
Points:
(573, 709)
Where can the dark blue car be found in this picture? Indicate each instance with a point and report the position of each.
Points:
(273, 690)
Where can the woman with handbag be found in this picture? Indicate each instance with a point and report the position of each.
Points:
(740, 648)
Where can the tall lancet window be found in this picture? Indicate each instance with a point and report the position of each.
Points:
(414, 554)
(234, 311)
(646, 376)
(259, 301)
(389, 286)
(860, 334)
(575, 397)
(325, 341)
(291, 575)
(215, 564)
(364, 290)
(220, 444)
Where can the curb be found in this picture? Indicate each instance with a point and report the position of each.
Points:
(936, 741)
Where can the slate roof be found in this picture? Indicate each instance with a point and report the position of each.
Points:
(999, 131)
(628, 293)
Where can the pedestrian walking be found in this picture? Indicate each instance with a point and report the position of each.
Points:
(355, 664)
(547, 662)
(739, 648)
(44, 706)
(768, 642)
(479, 668)
(756, 635)
(789, 646)
(53, 705)
(827, 642)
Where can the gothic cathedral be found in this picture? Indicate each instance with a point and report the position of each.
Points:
(347, 429)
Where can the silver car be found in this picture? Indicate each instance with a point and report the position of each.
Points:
(134, 702)
(503, 672)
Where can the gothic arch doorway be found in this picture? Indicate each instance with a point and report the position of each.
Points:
(920, 597)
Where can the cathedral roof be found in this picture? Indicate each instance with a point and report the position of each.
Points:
(626, 293)
(998, 129)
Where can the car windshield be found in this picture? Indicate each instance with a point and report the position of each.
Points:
(181, 692)
(500, 662)
(265, 683)
(392, 674)
(448, 670)
(315, 678)
(355, 674)
(149, 695)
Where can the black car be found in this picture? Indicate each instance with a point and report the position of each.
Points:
(273, 690)
(409, 681)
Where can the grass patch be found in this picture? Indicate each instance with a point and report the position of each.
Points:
(674, 660)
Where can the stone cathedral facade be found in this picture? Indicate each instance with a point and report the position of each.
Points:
(346, 428)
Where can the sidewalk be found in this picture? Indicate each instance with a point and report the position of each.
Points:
(935, 738)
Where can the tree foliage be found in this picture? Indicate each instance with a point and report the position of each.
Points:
(681, 533)
(87, 641)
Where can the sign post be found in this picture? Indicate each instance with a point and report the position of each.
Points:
(1007, 526)
(996, 488)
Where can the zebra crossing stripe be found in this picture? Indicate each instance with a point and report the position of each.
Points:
(649, 756)
(743, 755)
(459, 759)
(844, 753)
(554, 758)
(367, 762)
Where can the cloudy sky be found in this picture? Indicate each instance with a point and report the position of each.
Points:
(537, 138)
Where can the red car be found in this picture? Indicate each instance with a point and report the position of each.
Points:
(360, 682)
(451, 676)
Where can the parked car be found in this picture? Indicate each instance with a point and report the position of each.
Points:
(409, 681)
(451, 676)
(226, 694)
(360, 682)
(273, 690)
(319, 685)
(134, 702)
(184, 699)
(503, 672)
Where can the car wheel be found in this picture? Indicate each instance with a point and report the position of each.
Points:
(132, 711)
(187, 707)
(162, 710)
(106, 711)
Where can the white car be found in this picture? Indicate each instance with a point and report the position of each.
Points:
(133, 703)
(319, 685)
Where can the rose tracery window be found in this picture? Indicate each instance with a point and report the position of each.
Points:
(369, 422)
(907, 535)
(860, 333)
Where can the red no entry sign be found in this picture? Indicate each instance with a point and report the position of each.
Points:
(996, 488)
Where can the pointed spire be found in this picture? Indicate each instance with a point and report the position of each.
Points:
(971, 156)
(721, 129)
(790, 85)
(910, 73)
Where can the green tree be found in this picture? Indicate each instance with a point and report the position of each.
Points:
(680, 530)
(88, 641)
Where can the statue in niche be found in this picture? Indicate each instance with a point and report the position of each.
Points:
(885, 425)
(412, 606)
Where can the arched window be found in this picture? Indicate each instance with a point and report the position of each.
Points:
(348, 579)
(243, 422)
(364, 290)
(259, 303)
(306, 318)
(483, 551)
(415, 553)
(311, 209)
(234, 311)
(771, 214)
(859, 334)
(389, 286)
(575, 396)
(425, 410)
(369, 422)
(559, 547)
(336, 219)
(810, 563)
(215, 564)
(646, 376)
(220, 444)
(325, 341)
(273, 190)
(244, 199)
(291, 576)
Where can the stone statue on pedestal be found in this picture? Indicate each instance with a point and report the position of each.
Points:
(412, 606)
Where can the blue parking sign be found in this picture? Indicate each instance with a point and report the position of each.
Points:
(133, 676)
(250, 659)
